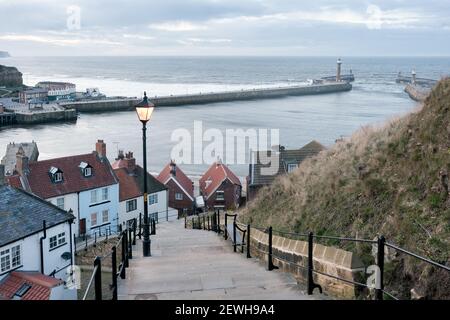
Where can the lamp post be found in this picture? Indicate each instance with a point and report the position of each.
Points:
(144, 110)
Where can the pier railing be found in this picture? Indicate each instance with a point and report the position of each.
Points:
(210, 222)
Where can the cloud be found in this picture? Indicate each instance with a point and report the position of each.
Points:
(177, 26)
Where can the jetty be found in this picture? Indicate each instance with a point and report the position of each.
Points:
(123, 104)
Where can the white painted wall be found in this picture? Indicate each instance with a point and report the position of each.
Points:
(70, 202)
(112, 205)
(160, 208)
(30, 252)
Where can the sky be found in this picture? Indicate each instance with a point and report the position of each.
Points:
(225, 27)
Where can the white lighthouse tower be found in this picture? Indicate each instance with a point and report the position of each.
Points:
(413, 73)
(338, 72)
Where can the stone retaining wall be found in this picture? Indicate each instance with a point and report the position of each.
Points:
(294, 259)
(45, 117)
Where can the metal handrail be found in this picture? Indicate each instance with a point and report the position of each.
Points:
(90, 282)
(345, 239)
(418, 257)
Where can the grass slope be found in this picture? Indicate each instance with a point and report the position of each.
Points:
(391, 181)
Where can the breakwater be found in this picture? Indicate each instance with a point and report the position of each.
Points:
(28, 118)
(203, 98)
(417, 93)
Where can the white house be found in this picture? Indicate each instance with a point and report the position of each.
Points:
(36, 246)
(131, 191)
(84, 184)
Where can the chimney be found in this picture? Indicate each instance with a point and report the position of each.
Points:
(173, 168)
(2, 174)
(120, 155)
(22, 167)
(100, 148)
(130, 162)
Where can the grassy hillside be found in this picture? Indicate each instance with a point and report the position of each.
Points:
(391, 181)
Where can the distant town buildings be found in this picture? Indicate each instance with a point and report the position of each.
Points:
(33, 95)
(181, 188)
(58, 90)
(85, 184)
(131, 186)
(220, 188)
(288, 161)
(36, 246)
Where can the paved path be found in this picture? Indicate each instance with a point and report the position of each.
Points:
(197, 264)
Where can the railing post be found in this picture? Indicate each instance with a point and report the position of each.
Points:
(248, 242)
(225, 232)
(380, 262)
(130, 243)
(269, 259)
(218, 221)
(95, 239)
(85, 243)
(98, 278)
(123, 258)
(106, 232)
(125, 235)
(185, 222)
(204, 223)
(140, 225)
(209, 226)
(153, 222)
(114, 272)
(311, 284)
(234, 236)
(134, 231)
(75, 243)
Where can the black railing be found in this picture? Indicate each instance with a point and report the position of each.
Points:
(99, 235)
(380, 243)
(125, 242)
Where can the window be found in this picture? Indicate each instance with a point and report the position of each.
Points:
(292, 167)
(10, 258)
(105, 216)
(153, 198)
(94, 196)
(93, 219)
(105, 194)
(56, 174)
(57, 240)
(88, 172)
(131, 205)
(58, 177)
(220, 195)
(60, 203)
(178, 196)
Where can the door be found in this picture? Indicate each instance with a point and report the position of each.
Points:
(82, 226)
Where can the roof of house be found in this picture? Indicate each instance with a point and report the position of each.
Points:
(182, 179)
(22, 214)
(40, 183)
(214, 176)
(40, 286)
(131, 184)
(262, 160)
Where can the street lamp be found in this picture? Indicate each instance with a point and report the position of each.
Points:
(144, 110)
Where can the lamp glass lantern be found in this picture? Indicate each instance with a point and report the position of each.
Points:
(144, 109)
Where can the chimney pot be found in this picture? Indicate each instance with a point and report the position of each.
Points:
(100, 148)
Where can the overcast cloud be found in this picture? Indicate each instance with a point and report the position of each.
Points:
(225, 27)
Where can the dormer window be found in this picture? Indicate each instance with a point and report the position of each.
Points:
(86, 169)
(56, 175)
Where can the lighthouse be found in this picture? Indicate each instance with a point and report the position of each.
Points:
(338, 72)
(413, 73)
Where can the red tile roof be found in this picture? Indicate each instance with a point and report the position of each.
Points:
(41, 285)
(128, 189)
(216, 174)
(180, 177)
(73, 181)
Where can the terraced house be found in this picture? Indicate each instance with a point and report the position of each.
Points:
(36, 247)
(131, 195)
(85, 184)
